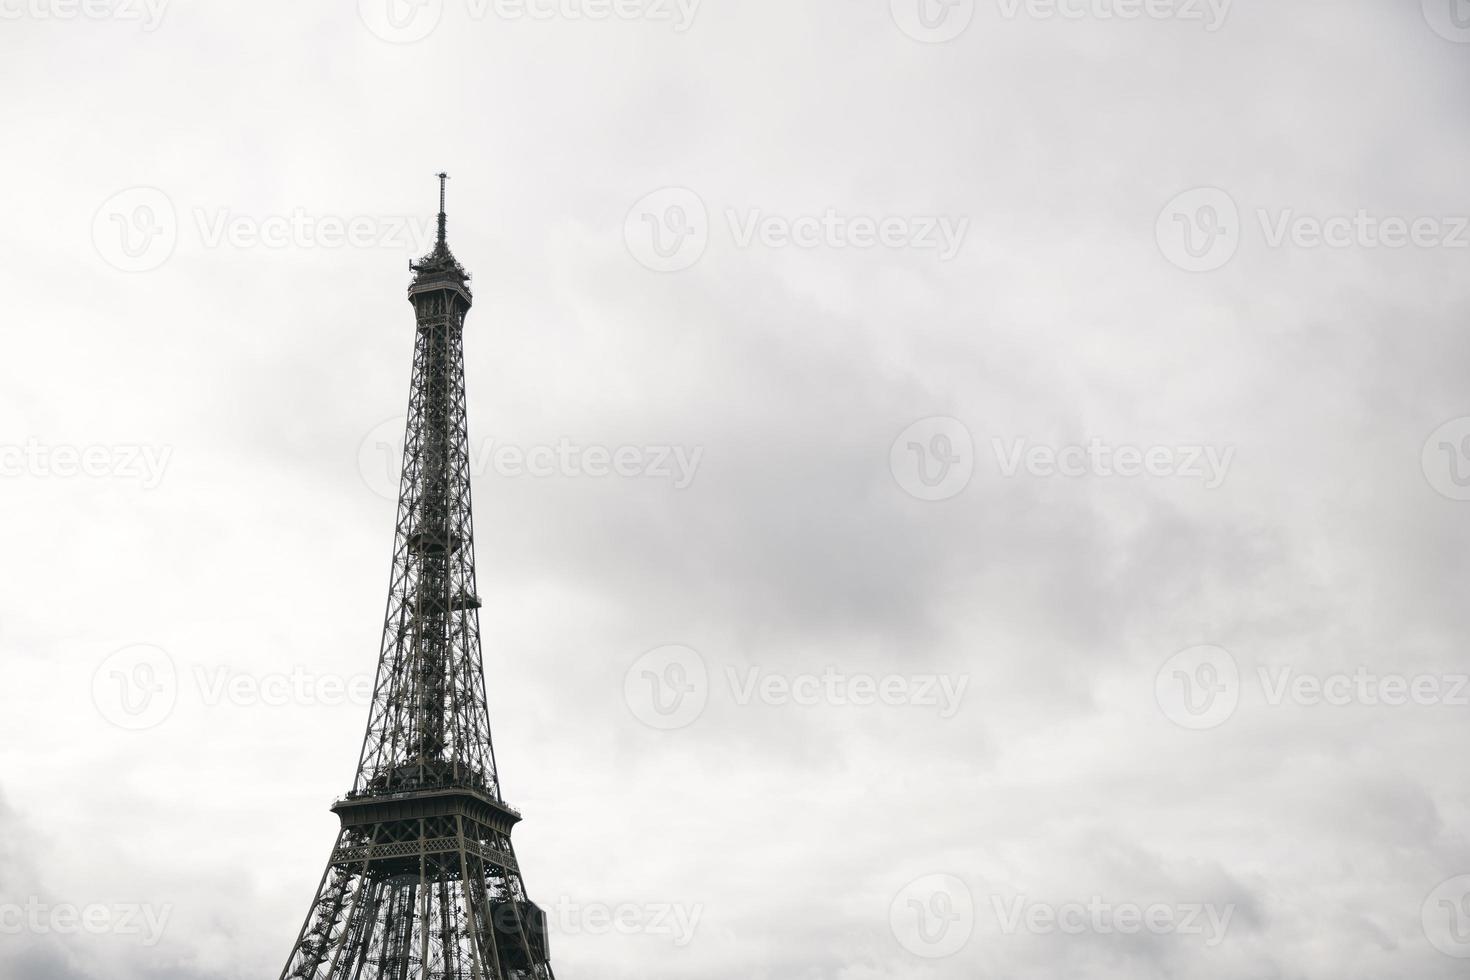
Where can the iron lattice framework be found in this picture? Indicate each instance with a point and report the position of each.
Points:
(423, 883)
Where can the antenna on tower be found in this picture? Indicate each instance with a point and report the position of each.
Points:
(443, 178)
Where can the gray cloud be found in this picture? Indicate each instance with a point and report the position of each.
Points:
(795, 828)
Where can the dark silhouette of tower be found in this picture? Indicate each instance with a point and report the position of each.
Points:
(423, 881)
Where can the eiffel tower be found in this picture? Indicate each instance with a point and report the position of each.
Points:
(423, 882)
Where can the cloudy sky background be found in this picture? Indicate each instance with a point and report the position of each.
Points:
(831, 840)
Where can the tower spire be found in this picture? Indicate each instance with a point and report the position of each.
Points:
(443, 219)
(423, 881)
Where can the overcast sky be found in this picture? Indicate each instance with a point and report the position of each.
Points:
(961, 490)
